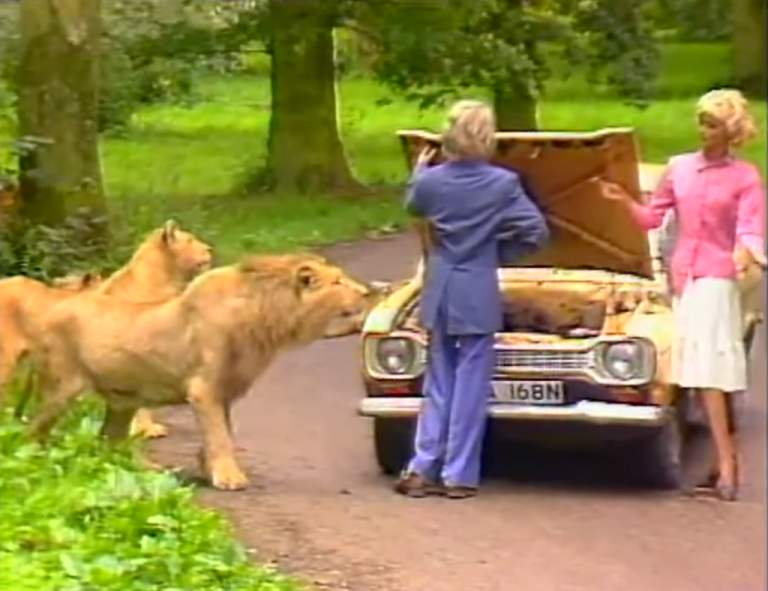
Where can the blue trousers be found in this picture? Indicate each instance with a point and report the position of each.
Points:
(452, 421)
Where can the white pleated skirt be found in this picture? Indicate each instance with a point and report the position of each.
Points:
(709, 348)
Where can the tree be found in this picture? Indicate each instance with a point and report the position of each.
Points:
(306, 153)
(58, 103)
(433, 49)
(749, 45)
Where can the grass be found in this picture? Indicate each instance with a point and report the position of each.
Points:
(81, 517)
(184, 161)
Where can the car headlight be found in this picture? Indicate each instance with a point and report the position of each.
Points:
(396, 355)
(625, 361)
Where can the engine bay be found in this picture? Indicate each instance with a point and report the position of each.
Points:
(568, 310)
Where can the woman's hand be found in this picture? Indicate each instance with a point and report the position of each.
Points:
(760, 259)
(743, 257)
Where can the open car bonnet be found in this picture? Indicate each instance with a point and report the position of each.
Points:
(587, 231)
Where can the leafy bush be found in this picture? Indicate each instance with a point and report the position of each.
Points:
(79, 515)
(695, 20)
(137, 66)
(127, 86)
(7, 132)
(44, 253)
(37, 250)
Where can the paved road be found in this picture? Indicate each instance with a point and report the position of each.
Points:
(319, 507)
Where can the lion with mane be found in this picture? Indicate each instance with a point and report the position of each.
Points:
(204, 347)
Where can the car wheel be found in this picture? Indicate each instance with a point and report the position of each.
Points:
(663, 453)
(393, 442)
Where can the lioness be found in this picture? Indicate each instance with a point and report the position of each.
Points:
(160, 268)
(21, 301)
(204, 347)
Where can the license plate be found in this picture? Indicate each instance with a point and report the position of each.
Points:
(541, 393)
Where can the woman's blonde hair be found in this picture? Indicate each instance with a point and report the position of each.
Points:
(730, 108)
(470, 131)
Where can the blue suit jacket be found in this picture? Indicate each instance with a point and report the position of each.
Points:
(479, 212)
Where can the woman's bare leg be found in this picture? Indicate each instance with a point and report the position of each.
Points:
(716, 408)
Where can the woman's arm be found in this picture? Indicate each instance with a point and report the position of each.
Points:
(750, 219)
(651, 215)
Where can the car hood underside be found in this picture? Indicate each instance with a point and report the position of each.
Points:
(559, 171)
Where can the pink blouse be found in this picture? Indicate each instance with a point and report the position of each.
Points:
(716, 203)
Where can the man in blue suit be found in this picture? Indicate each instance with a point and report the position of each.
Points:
(477, 212)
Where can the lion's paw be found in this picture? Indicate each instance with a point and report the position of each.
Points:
(150, 465)
(151, 430)
(228, 477)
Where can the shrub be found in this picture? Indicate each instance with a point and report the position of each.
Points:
(130, 76)
(43, 253)
(80, 515)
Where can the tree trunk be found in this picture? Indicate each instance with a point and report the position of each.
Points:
(58, 98)
(749, 46)
(516, 110)
(305, 150)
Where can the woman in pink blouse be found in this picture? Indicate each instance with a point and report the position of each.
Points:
(718, 202)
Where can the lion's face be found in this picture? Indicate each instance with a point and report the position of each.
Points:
(326, 289)
(191, 255)
(325, 286)
(78, 281)
(305, 292)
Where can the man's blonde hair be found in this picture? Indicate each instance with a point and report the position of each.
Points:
(730, 108)
(470, 131)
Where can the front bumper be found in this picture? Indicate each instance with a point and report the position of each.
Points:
(599, 413)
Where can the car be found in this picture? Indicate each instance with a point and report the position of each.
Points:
(585, 354)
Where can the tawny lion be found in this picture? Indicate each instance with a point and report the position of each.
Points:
(160, 268)
(24, 298)
(204, 348)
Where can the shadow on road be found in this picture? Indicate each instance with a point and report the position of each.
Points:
(612, 467)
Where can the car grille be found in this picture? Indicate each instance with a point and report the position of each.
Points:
(516, 360)
(533, 361)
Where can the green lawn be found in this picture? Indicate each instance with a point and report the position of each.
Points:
(183, 161)
(81, 517)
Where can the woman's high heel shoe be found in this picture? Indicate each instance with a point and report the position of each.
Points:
(710, 482)
(728, 492)
(713, 484)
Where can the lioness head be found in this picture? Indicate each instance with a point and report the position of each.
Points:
(77, 281)
(190, 255)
